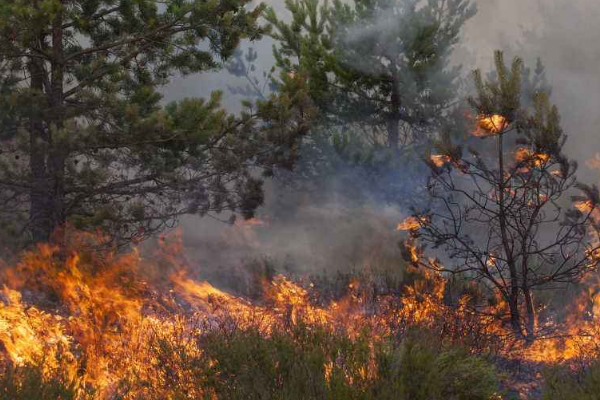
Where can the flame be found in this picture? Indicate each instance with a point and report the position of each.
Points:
(490, 125)
(525, 155)
(584, 206)
(99, 315)
(29, 334)
(109, 310)
(411, 223)
(439, 160)
(249, 223)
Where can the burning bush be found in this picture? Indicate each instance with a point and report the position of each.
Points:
(97, 323)
(498, 215)
(125, 326)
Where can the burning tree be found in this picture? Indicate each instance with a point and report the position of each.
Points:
(85, 137)
(500, 213)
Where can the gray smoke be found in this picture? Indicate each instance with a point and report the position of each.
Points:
(334, 233)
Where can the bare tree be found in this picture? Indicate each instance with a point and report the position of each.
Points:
(501, 214)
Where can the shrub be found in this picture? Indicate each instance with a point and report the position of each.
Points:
(301, 363)
(420, 369)
(29, 383)
(564, 384)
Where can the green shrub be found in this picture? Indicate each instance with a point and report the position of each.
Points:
(421, 370)
(302, 363)
(565, 384)
(29, 383)
(287, 365)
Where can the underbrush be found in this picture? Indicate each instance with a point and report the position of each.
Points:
(298, 363)
(119, 327)
(30, 382)
(582, 383)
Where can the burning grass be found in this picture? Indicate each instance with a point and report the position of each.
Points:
(113, 326)
(87, 324)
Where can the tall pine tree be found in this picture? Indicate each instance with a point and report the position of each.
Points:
(85, 138)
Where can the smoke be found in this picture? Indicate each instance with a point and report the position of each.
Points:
(335, 232)
(299, 233)
(564, 35)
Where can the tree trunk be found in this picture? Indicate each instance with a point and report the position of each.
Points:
(393, 122)
(530, 325)
(40, 195)
(47, 158)
(515, 315)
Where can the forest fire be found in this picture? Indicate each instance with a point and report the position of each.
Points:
(101, 319)
(439, 160)
(298, 278)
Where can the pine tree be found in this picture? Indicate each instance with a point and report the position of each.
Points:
(86, 139)
(381, 67)
(500, 213)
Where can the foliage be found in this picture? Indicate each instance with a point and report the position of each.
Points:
(380, 76)
(306, 363)
(562, 384)
(378, 66)
(86, 138)
(29, 382)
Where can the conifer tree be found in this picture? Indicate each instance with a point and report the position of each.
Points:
(500, 212)
(85, 137)
(378, 67)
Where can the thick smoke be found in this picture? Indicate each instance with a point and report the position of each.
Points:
(334, 232)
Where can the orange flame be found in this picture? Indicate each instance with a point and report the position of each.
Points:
(523, 155)
(584, 206)
(108, 311)
(411, 224)
(490, 125)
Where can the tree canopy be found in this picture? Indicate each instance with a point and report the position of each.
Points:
(86, 138)
(380, 66)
